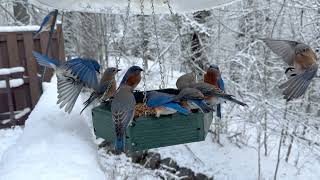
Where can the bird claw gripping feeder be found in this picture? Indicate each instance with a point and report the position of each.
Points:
(146, 132)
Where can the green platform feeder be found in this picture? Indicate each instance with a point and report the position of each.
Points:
(152, 132)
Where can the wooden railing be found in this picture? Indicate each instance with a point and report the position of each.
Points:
(16, 51)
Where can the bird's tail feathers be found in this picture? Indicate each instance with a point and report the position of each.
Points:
(231, 98)
(202, 106)
(92, 97)
(119, 145)
(297, 85)
(45, 60)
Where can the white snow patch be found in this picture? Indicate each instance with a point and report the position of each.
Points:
(12, 82)
(8, 137)
(54, 145)
(19, 28)
(7, 71)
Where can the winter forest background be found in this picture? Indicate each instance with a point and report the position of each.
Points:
(227, 36)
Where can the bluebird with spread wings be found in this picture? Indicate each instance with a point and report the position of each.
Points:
(301, 59)
(213, 76)
(164, 104)
(106, 88)
(123, 105)
(47, 22)
(72, 76)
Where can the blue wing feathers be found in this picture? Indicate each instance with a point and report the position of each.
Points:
(45, 60)
(177, 107)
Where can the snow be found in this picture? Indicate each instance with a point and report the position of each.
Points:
(22, 113)
(13, 83)
(7, 71)
(180, 6)
(53, 145)
(19, 28)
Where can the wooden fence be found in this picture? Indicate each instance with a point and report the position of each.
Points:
(16, 51)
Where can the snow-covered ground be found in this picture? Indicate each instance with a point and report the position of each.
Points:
(55, 145)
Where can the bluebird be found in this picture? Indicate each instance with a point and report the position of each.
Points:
(213, 76)
(123, 104)
(132, 77)
(72, 76)
(47, 22)
(214, 95)
(300, 58)
(193, 99)
(164, 104)
(106, 88)
(186, 79)
(123, 110)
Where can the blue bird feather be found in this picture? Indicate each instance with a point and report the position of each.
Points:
(119, 145)
(177, 107)
(46, 23)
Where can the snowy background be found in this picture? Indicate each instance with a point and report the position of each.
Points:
(55, 145)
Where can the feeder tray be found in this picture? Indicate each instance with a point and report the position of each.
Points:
(151, 132)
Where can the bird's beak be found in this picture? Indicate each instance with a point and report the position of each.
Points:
(99, 71)
(118, 70)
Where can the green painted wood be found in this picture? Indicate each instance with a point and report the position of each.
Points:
(151, 132)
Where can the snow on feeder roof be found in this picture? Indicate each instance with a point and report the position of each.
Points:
(114, 6)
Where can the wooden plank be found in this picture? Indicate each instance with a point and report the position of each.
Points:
(34, 83)
(60, 37)
(4, 59)
(14, 61)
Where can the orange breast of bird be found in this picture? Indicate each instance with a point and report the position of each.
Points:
(306, 59)
(211, 78)
(134, 80)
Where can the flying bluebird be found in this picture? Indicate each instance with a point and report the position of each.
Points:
(106, 88)
(185, 80)
(213, 76)
(300, 58)
(193, 99)
(164, 104)
(214, 95)
(72, 76)
(132, 77)
(47, 22)
(123, 110)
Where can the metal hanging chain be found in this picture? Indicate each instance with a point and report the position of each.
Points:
(125, 29)
(143, 50)
(160, 58)
(176, 23)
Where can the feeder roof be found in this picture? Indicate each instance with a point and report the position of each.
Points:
(117, 6)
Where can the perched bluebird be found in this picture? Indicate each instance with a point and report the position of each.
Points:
(214, 95)
(132, 77)
(194, 99)
(300, 58)
(106, 88)
(123, 104)
(72, 76)
(164, 104)
(123, 110)
(185, 80)
(213, 76)
(47, 22)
